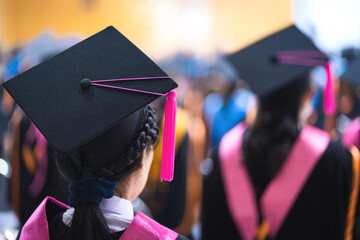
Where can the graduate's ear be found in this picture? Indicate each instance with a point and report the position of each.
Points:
(306, 107)
(143, 159)
(142, 173)
(146, 159)
(306, 97)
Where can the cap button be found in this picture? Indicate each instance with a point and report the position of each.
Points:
(85, 83)
(274, 59)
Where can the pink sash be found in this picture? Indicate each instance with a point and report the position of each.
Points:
(36, 227)
(142, 227)
(281, 193)
(351, 136)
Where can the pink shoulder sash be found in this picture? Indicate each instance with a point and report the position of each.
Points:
(281, 193)
(36, 227)
(143, 227)
(351, 136)
(238, 189)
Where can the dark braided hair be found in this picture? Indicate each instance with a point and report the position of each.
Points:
(88, 221)
(267, 144)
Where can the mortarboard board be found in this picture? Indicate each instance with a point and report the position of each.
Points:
(96, 85)
(352, 74)
(279, 59)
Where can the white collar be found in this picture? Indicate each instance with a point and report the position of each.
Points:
(118, 213)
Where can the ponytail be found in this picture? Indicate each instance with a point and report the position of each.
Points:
(88, 222)
(268, 144)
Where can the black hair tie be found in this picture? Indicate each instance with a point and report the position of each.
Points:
(90, 190)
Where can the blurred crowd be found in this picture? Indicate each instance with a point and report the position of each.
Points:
(211, 100)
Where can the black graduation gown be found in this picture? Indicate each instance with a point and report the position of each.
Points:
(319, 212)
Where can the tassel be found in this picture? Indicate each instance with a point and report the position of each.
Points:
(168, 153)
(329, 94)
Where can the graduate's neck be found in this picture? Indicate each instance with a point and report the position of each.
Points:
(131, 187)
(124, 189)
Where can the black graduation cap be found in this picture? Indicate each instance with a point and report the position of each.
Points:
(259, 65)
(64, 98)
(352, 74)
(279, 59)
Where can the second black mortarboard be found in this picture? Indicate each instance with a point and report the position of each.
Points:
(279, 59)
(88, 89)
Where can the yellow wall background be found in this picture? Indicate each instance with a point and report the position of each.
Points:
(159, 27)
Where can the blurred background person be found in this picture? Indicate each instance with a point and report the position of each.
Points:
(227, 103)
(349, 101)
(281, 178)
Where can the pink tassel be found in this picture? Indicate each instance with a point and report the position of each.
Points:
(329, 94)
(168, 152)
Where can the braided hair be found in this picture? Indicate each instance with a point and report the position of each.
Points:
(88, 221)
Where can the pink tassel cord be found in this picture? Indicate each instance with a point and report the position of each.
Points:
(168, 154)
(311, 58)
(329, 94)
(98, 83)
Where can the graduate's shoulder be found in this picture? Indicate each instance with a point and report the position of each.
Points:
(337, 152)
(337, 158)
